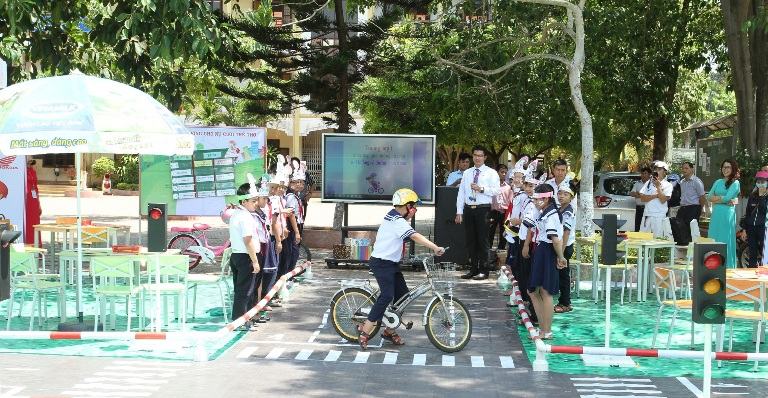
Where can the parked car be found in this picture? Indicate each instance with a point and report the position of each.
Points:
(611, 192)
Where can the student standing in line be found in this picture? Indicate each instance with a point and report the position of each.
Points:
(496, 217)
(548, 258)
(565, 195)
(755, 218)
(244, 261)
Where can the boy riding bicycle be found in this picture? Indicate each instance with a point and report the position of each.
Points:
(385, 261)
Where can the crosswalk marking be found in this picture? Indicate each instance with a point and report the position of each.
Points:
(109, 386)
(507, 362)
(312, 338)
(139, 375)
(332, 356)
(390, 358)
(164, 363)
(419, 359)
(362, 357)
(107, 393)
(304, 354)
(246, 352)
(131, 378)
(449, 360)
(275, 353)
(125, 380)
(608, 387)
(477, 361)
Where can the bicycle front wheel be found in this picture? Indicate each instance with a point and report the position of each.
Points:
(449, 325)
(183, 242)
(349, 309)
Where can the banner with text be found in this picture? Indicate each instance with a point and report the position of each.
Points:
(203, 183)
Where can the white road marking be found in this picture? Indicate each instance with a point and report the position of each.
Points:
(277, 336)
(616, 396)
(449, 360)
(110, 386)
(304, 354)
(477, 361)
(142, 368)
(507, 362)
(419, 359)
(275, 353)
(332, 356)
(313, 337)
(107, 393)
(609, 379)
(10, 391)
(21, 370)
(692, 388)
(124, 380)
(246, 352)
(390, 358)
(628, 385)
(616, 391)
(362, 357)
(162, 363)
(138, 375)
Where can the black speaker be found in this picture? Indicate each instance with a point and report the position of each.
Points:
(448, 233)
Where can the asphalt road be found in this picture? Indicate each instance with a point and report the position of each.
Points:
(299, 354)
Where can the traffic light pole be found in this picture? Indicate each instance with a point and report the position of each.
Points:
(706, 387)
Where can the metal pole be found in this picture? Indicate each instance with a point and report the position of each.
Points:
(707, 361)
(78, 159)
(607, 306)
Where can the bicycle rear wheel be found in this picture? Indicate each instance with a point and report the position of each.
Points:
(349, 309)
(183, 242)
(449, 325)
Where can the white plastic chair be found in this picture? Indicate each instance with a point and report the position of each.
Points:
(172, 271)
(113, 277)
(25, 277)
(218, 279)
(745, 291)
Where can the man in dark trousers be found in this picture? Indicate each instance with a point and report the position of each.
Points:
(478, 186)
(692, 199)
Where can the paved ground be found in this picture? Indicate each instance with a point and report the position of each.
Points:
(298, 353)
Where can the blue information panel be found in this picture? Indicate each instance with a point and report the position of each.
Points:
(371, 167)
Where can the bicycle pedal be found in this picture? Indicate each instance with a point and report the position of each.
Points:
(409, 325)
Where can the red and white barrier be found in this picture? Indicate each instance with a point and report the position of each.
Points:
(263, 302)
(540, 363)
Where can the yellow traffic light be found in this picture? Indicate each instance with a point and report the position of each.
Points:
(713, 286)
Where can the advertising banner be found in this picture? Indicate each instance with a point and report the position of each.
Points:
(203, 183)
(13, 176)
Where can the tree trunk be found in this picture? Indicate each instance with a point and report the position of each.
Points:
(660, 128)
(759, 57)
(342, 96)
(585, 203)
(735, 13)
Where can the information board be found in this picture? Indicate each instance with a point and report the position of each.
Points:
(710, 153)
(371, 167)
(203, 183)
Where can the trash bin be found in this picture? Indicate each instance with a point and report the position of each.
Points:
(6, 238)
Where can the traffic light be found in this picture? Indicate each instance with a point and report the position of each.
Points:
(610, 238)
(157, 227)
(708, 293)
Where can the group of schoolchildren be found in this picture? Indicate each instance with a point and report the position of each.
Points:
(265, 226)
(539, 227)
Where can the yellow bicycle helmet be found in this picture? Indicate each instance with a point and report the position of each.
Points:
(403, 196)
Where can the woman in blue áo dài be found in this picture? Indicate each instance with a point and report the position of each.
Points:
(724, 196)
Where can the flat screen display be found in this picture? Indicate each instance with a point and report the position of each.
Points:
(371, 167)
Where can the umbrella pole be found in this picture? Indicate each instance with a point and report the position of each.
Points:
(79, 284)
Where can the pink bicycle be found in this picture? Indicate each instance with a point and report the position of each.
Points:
(193, 242)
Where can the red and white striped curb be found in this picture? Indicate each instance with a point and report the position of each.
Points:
(630, 352)
(263, 302)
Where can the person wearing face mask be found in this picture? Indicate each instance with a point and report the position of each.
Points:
(754, 220)
(385, 261)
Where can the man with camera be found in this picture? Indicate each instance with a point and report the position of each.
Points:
(655, 195)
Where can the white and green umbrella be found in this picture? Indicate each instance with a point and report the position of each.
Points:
(79, 114)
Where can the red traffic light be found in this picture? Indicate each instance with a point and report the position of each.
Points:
(155, 213)
(713, 260)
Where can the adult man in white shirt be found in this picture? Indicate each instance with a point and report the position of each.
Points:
(478, 186)
(454, 179)
(655, 194)
(645, 175)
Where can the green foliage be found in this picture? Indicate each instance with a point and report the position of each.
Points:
(102, 166)
(749, 165)
(128, 169)
(124, 186)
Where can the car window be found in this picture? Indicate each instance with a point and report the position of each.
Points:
(620, 185)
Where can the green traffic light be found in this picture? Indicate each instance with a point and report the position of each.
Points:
(713, 311)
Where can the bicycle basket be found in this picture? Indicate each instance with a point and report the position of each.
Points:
(443, 274)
